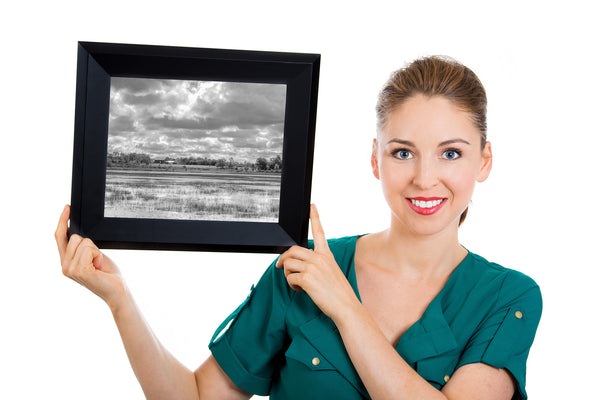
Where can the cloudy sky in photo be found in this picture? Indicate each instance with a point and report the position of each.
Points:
(177, 118)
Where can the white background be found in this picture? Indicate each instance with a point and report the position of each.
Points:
(537, 212)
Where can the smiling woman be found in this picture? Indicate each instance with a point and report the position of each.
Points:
(428, 150)
(407, 312)
(436, 76)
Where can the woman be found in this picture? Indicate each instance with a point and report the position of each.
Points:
(401, 314)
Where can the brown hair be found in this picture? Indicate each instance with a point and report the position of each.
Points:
(436, 76)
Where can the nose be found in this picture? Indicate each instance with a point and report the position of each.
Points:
(425, 174)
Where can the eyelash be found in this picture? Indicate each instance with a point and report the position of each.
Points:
(458, 154)
(396, 152)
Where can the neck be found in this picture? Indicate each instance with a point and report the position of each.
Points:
(421, 256)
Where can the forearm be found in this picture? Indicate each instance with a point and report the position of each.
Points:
(383, 371)
(160, 375)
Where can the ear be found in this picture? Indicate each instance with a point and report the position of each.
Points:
(374, 161)
(486, 163)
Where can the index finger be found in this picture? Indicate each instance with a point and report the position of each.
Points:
(61, 231)
(317, 230)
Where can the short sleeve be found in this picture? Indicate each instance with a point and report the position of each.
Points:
(249, 342)
(505, 336)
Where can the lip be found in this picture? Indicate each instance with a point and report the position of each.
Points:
(427, 198)
(426, 211)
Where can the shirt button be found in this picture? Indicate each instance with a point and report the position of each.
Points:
(446, 378)
(316, 361)
(518, 314)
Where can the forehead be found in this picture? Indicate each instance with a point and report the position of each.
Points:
(423, 119)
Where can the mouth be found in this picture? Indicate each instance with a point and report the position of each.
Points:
(426, 205)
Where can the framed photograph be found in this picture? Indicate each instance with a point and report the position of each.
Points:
(181, 148)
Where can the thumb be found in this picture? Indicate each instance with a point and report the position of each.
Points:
(103, 263)
(98, 261)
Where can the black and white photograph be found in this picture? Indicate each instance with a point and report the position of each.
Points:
(194, 150)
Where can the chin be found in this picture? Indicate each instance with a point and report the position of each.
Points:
(426, 230)
(423, 227)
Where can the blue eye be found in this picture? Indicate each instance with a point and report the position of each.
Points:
(451, 154)
(403, 154)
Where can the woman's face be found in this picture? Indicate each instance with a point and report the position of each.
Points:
(428, 158)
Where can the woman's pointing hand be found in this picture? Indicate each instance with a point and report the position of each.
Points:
(317, 273)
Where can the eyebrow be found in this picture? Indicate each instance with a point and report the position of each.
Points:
(442, 144)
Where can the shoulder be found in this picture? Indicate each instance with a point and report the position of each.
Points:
(508, 277)
(494, 281)
(491, 271)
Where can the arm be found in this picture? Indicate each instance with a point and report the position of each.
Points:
(387, 376)
(159, 373)
(383, 371)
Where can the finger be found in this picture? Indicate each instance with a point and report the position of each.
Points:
(98, 261)
(60, 235)
(105, 264)
(295, 281)
(71, 250)
(84, 258)
(293, 252)
(317, 230)
(94, 257)
(293, 266)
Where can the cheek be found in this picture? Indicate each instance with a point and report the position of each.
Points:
(393, 180)
(461, 181)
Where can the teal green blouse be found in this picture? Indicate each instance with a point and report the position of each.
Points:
(278, 342)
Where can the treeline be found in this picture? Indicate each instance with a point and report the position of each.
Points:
(137, 160)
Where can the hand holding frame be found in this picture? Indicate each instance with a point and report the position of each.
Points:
(83, 262)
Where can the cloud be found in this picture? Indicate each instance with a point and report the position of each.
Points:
(121, 125)
(167, 117)
(244, 105)
(142, 99)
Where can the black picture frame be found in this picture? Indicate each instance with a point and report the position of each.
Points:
(98, 62)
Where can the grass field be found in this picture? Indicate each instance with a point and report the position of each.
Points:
(196, 194)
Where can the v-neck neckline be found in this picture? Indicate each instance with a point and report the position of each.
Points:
(433, 307)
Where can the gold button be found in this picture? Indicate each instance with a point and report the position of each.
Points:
(519, 314)
(446, 378)
(316, 361)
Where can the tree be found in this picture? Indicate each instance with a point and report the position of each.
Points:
(261, 164)
(275, 162)
(221, 163)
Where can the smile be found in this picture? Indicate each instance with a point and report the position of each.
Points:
(426, 206)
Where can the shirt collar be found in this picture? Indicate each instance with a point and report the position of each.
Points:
(430, 336)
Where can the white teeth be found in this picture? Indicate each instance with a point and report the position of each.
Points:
(426, 204)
